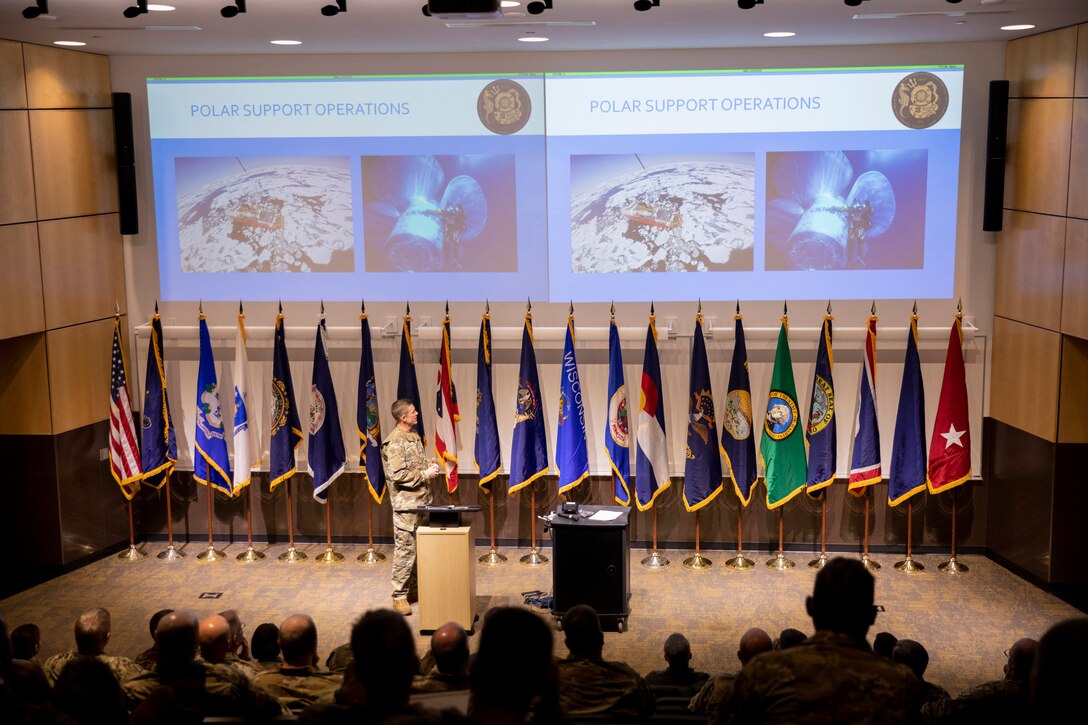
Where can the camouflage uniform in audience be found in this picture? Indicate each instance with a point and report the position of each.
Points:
(405, 462)
(297, 687)
(1001, 701)
(122, 667)
(828, 678)
(339, 659)
(245, 667)
(716, 691)
(590, 686)
(204, 689)
(148, 658)
(269, 665)
(439, 682)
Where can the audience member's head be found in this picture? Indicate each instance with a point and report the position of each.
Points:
(582, 630)
(92, 632)
(27, 682)
(753, 642)
(385, 659)
(912, 654)
(1060, 671)
(842, 599)
(677, 651)
(153, 624)
(176, 639)
(87, 691)
(511, 634)
(265, 644)
(449, 645)
(789, 637)
(1021, 660)
(26, 641)
(884, 643)
(215, 639)
(237, 627)
(298, 641)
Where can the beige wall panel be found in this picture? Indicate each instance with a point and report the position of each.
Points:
(58, 78)
(1042, 65)
(24, 386)
(1028, 280)
(83, 269)
(1024, 385)
(20, 282)
(1081, 82)
(79, 373)
(1037, 166)
(74, 163)
(1075, 284)
(1073, 416)
(16, 168)
(12, 82)
(1078, 160)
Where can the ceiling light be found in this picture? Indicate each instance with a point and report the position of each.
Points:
(748, 4)
(161, 8)
(533, 39)
(644, 5)
(41, 7)
(1017, 27)
(135, 11)
(73, 43)
(509, 4)
(329, 11)
(285, 42)
(232, 11)
(537, 7)
(779, 34)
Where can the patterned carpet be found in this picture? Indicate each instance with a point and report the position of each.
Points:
(965, 621)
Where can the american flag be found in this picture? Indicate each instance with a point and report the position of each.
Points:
(124, 450)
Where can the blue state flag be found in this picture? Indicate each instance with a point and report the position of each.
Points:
(617, 434)
(822, 423)
(286, 429)
(529, 451)
(325, 453)
(367, 419)
(407, 387)
(865, 467)
(211, 465)
(571, 455)
(738, 443)
(486, 451)
(907, 474)
(158, 443)
(702, 458)
(652, 453)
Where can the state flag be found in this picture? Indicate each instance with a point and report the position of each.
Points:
(782, 447)
(950, 446)
(407, 387)
(617, 434)
(702, 457)
(738, 441)
(486, 447)
(907, 473)
(325, 454)
(446, 440)
(367, 418)
(247, 440)
(821, 432)
(286, 432)
(529, 451)
(865, 466)
(211, 464)
(652, 453)
(158, 442)
(571, 454)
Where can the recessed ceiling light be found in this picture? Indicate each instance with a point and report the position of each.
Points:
(534, 39)
(1017, 27)
(160, 8)
(779, 34)
(74, 43)
(509, 3)
(285, 42)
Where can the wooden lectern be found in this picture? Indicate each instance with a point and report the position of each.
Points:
(445, 556)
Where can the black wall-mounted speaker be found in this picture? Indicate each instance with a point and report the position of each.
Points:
(996, 127)
(126, 163)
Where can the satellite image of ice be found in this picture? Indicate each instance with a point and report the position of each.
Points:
(662, 215)
(238, 214)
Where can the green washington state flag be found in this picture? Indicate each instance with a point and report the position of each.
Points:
(782, 446)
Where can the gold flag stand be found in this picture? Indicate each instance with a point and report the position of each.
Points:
(330, 556)
(780, 562)
(370, 556)
(740, 562)
(250, 555)
(909, 565)
(952, 566)
(865, 560)
(534, 557)
(492, 557)
(821, 561)
(698, 561)
(131, 553)
(171, 553)
(655, 560)
(211, 553)
(292, 554)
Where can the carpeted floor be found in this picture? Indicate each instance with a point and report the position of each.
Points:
(965, 621)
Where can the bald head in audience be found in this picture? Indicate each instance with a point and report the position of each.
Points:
(449, 645)
(176, 638)
(298, 641)
(92, 632)
(1021, 660)
(214, 638)
(753, 642)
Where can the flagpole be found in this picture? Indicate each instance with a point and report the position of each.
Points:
(171, 554)
(909, 565)
(952, 566)
(740, 562)
(492, 558)
(211, 553)
(865, 560)
(250, 555)
(780, 562)
(698, 561)
(370, 556)
(533, 558)
(131, 553)
(655, 560)
(821, 561)
(292, 554)
(330, 556)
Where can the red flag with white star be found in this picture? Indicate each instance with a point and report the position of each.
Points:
(950, 446)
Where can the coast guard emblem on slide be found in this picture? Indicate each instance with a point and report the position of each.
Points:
(781, 416)
(317, 410)
(504, 107)
(920, 100)
(617, 417)
(526, 409)
(823, 406)
(280, 405)
(738, 415)
(211, 423)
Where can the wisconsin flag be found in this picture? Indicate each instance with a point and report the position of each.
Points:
(617, 434)
(529, 451)
(652, 453)
(571, 455)
(865, 457)
(950, 446)
(124, 450)
(407, 387)
(286, 429)
(325, 454)
(446, 443)
(247, 441)
(158, 444)
(702, 459)
(782, 446)
(486, 448)
(738, 441)
(820, 432)
(907, 474)
(211, 466)
(368, 420)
